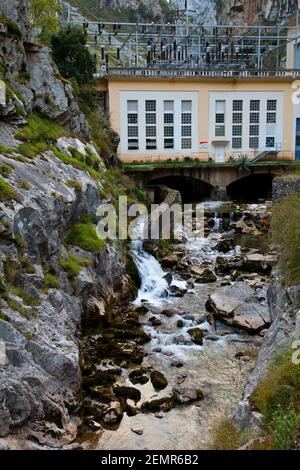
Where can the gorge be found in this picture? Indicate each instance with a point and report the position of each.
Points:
(117, 345)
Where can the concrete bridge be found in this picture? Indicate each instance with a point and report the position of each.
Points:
(196, 182)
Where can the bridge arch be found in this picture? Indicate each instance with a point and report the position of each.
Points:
(192, 189)
(251, 187)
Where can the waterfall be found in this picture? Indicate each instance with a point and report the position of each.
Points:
(154, 287)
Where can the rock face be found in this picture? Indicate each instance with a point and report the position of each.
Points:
(285, 314)
(32, 77)
(237, 306)
(40, 373)
(243, 11)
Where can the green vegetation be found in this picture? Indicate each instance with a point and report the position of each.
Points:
(286, 233)
(37, 135)
(4, 150)
(12, 27)
(44, 18)
(7, 192)
(227, 436)
(5, 170)
(51, 281)
(277, 397)
(77, 160)
(83, 234)
(26, 264)
(75, 184)
(72, 266)
(27, 298)
(71, 54)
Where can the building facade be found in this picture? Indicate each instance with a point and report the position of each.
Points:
(215, 119)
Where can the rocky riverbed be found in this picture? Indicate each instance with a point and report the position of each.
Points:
(161, 372)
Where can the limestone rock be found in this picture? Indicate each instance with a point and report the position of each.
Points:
(158, 380)
(203, 275)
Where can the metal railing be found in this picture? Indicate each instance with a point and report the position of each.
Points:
(146, 72)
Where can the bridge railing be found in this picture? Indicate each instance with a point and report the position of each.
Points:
(146, 72)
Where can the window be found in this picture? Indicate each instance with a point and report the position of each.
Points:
(237, 143)
(168, 124)
(271, 118)
(150, 106)
(151, 143)
(186, 144)
(254, 142)
(272, 105)
(220, 118)
(254, 130)
(270, 142)
(237, 118)
(237, 131)
(254, 105)
(237, 105)
(186, 125)
(254, 118)
(132, 129)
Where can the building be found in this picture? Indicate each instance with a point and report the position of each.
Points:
(206, 116)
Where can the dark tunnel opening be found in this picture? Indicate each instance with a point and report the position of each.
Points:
(191, 189)
(251, 188)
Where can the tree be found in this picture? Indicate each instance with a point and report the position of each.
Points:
(69, 47)
(44, 18)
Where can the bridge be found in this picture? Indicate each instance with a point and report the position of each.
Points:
(201, 180)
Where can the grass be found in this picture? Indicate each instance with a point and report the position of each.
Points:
(4, 150)
(286, 234)
(77, 161)
(83, 235)
(27, 298)
(5, 170)
(142, 166)
(12, 27)
(277, 397)
(227, 436)
(37, 135)
(75, 184)
(51, 281)
(7, 192)
(72, 266)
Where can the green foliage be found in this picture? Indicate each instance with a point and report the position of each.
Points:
(72, 266)
(5, 170)
(227, 436)
(71, 54)
(27, 298)
(286, 234)
(51, 281)
(44, 18)
(83, 235)
(243, 163)
(77, 160)
(142, 196)
(75, 184)
(26, 264)
(12, 27)
(277, 397)
(7, 192)
(4, 150)
(37, 135)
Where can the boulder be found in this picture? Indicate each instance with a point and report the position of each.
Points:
(186, 396)
(197, 335)
(169, 262)
(113, 413)
(128, 392)
(225, 245)
(160, 404)
(203, 275)
(158, 380)
(252, 317)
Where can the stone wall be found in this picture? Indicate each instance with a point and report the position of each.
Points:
(282, 187)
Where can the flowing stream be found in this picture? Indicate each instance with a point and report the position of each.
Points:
(220, 367)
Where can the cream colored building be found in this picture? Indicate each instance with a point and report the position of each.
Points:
(212, 116)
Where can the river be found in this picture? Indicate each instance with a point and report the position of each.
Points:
(220, 367)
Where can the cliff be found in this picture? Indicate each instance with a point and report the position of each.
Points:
(55, 274)
(240, 12)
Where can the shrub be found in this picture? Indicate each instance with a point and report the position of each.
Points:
(7, 192)
(12, 27)
(286, 233)
(84, 236)
(277, 397)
